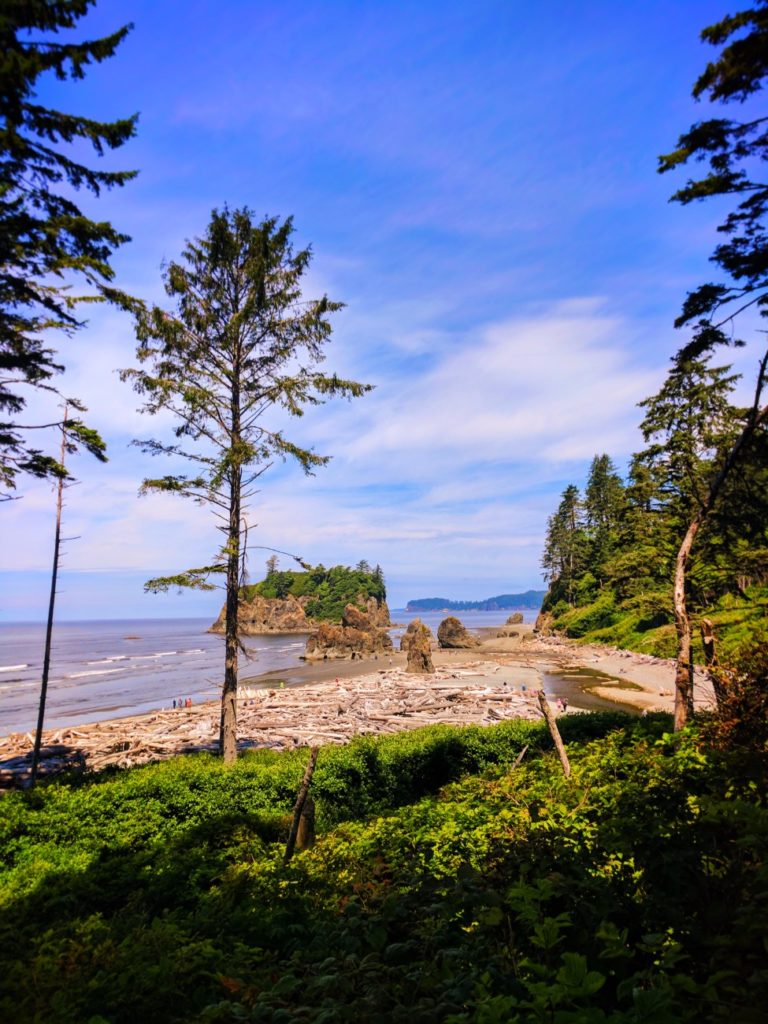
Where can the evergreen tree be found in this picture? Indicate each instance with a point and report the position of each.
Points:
(239, 343)
(603, 507)
(565, 549)
(45, 239)
(734, 149)
(272, 563)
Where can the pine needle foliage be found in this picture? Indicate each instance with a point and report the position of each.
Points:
(46, 241)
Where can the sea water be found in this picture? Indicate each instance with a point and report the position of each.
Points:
(106, 669)
(112, 668)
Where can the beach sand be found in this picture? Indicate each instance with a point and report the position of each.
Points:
(331, 701)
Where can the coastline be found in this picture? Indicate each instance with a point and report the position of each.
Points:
(331, 701)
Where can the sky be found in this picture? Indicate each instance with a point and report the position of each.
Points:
(478, 184)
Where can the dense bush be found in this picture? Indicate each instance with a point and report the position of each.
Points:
(635, 891)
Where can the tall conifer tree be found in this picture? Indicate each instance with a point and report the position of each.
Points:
(239, 344)
(44, 236)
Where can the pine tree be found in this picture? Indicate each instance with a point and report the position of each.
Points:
(45, 239)
(603, 508)
(239, 343)
(734, 149)
(565, 548)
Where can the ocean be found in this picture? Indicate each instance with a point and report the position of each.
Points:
(118, 667)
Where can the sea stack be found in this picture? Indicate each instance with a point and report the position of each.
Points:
(451, 633)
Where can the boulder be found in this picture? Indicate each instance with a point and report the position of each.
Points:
(514, 619)
(451, 633)
(356, 637)
(417, 642)
(508, 632)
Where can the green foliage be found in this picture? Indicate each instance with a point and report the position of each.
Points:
(635, 891)
(46, 240)
(330, 589)
(733, 149)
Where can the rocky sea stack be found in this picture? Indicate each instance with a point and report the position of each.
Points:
(358, 636)
(417, 643)
(451, 633)
(299, 602)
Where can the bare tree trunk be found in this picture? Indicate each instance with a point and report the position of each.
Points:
(228, 729)
(684, 666)
(51, 605)
(684, 670)
(546, 710)
(299, 805)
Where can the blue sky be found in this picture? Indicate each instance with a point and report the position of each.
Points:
(478, 185)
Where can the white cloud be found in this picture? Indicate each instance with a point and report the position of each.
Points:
(446, 473)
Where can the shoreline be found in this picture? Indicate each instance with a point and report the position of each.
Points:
(331, 701)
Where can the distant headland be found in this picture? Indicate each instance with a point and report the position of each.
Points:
(530, 599)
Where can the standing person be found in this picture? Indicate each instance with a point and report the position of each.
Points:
(565, 703)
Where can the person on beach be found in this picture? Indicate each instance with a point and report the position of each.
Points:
(174, 703)
(565, 703)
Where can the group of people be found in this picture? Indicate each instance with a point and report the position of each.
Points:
(561, 703)
(182, 702)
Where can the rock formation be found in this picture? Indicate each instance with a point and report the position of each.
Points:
(514, 619)
(544, 623)
(417, 643)
(288, 615)
(357, 637)
(451, 633)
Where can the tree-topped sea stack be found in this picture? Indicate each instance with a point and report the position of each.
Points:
(298, 602)
(451, 633)
(417, 643)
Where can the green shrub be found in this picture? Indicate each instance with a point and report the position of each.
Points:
(634, 891)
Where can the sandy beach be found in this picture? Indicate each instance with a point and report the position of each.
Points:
(329, 702)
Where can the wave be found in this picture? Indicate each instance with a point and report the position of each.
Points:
(150, 657)
(12, 668)
(102, 672)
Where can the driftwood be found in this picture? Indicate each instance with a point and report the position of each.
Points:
(546, 710)
(379, 703)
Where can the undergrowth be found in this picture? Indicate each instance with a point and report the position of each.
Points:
(445, 885)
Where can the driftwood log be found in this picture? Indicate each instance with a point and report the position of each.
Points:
(379, 703)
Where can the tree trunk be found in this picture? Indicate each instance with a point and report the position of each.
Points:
(299, 805)
(49, 623)
(228, 730)
(684, 670)
(557, 739)
(684, 667)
